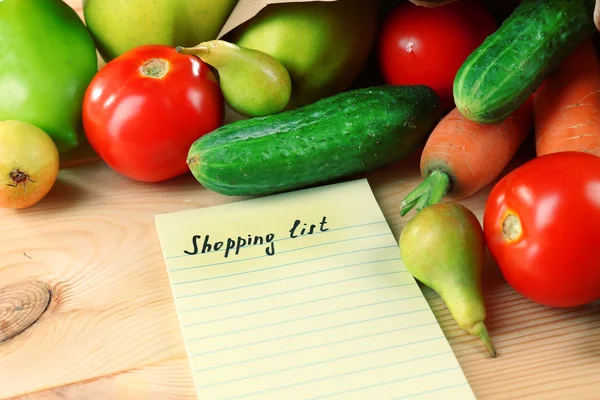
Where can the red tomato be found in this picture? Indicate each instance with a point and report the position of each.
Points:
(144, 109)
(542, 226)
(427, 45)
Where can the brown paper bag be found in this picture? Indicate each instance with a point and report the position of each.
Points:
(246, 9)
(597, 15)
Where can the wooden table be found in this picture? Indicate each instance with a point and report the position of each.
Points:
(110, 330)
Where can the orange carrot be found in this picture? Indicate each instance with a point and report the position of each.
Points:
(567, 105)
(461, 156)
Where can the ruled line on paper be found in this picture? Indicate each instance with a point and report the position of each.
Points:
(290, 291)
(192, 339)
(408, 396)
(389, 382)
(303, 303)
(281, 265)
(295, 367)
(310, 332)
(346, 374)
(265, 256)
(321, 345)
(334, 242)
(288, 238)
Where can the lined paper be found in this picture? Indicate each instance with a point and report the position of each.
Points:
(303, 295)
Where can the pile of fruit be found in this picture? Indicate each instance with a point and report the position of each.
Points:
(324, 90)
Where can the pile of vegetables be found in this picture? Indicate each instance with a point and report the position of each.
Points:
(465, 82)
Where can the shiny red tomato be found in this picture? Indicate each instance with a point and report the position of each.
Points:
(427, 45)
(144, 109)
(542, 226)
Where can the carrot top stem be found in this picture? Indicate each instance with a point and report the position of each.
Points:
(413, 197)
(440, 183)
(431, 191)
(422, 201)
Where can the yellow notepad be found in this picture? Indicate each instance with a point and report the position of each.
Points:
(302, 296)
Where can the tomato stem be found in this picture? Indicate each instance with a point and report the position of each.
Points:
(431, 191)
(511, 227)
(155, 68)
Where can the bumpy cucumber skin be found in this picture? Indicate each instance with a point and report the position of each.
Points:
(509, 66)
(351, 132)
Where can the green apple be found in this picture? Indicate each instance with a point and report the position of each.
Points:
(120, 25)
(324, 45)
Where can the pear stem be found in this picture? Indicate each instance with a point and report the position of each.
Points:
(197, 51)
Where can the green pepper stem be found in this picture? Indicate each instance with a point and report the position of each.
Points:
(429, 192)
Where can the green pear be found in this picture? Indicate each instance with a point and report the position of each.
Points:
(443, 247)
(324, 45)
(120, 25)
(253, 83)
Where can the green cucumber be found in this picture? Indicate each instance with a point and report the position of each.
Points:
(509, 66)
(350, 132)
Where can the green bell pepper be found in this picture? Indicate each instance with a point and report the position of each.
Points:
(47, 60)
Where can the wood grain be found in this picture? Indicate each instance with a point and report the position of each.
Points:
(20, 306)
(111, 332)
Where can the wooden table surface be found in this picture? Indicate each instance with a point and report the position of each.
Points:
(110, 330)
